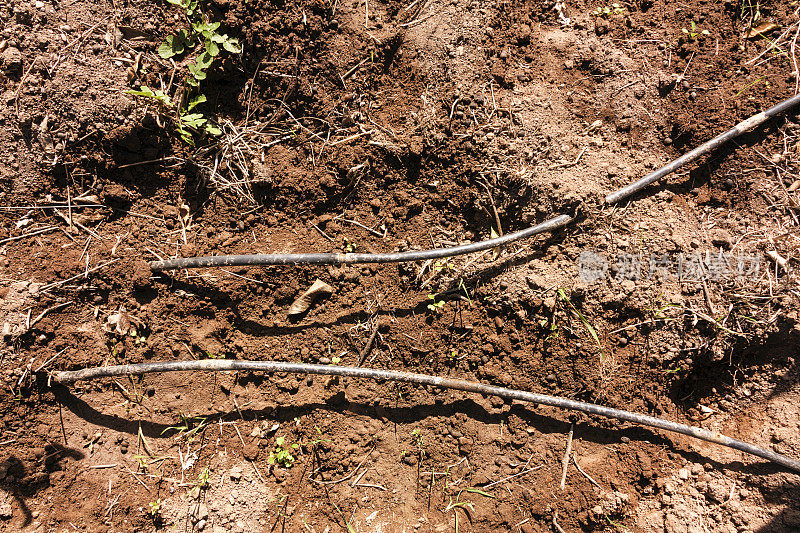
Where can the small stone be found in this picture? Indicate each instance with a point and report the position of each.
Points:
(523, 34)
(6, 510)
(721, 238)
(683, 474)
(717, 491)
(201, 513)
(410, 459)
(11, 60)
(665, 83)
(628, 286)
(236, 473)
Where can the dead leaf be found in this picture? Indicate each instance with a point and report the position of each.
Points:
(318, 289)
(87, 199)
(762, 30)
(89, 218)
(121, 323)
(22, 223)
(183, 214)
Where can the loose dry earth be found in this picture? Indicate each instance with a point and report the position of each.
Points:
(426, 123)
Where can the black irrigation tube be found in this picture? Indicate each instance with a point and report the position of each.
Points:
(421, 255)
(748, 124)
(350, 258)
(67, 377)
(438, 253)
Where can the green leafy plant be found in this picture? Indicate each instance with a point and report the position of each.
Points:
(282, 455)
(200, 32)
(202, 44)
(188, 122)
(692, 33)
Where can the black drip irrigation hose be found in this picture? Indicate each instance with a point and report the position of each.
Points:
(67, 377)
(438, 253)
(350, 258)
(719, 140)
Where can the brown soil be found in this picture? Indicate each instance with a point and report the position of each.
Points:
(461, 106)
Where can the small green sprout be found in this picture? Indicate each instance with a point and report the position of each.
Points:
(200, 483)
(282, 455)
(349, 247)
(562, 294)
(189, 427)
(435, 306)
(155, 508)
(442, 264)
(607, 11)
(692, 33)
(319, 439)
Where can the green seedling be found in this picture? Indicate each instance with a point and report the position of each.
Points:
(752, 10)
(751, 84)
(607, 11)
(209, 355)
(562, 294)
(442, 264)
(419, 441)
(435, 305)
(155, 508)
(692, 33)
(348, 247)
(200, 483)
(189, 426)
(282, 455)
(456, 505)
(154, 94)
(348, 523)
(319, 439)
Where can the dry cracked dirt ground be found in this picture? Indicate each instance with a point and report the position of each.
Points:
(378, 126)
